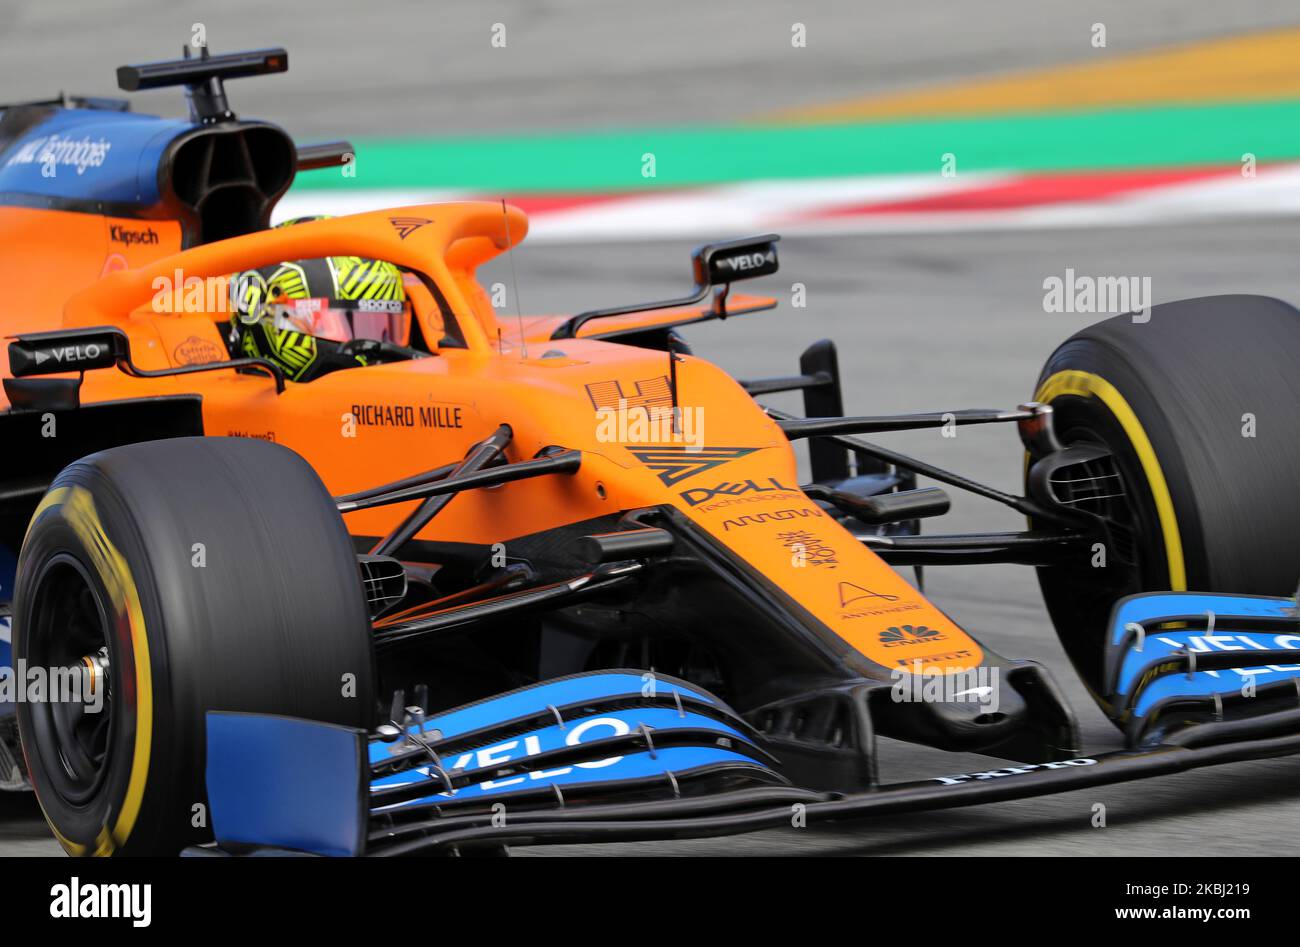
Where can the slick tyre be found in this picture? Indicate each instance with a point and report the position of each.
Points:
(178, 577)
(1199, 408)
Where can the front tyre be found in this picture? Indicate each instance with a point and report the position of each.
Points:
(1199, 408)
(176, 577)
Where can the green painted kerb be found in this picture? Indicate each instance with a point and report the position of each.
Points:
(613, 160)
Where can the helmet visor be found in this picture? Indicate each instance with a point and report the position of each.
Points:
(342, 320)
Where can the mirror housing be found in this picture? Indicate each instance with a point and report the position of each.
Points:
(81, 350)
(718, 264)
(715, 264)
(68, 350)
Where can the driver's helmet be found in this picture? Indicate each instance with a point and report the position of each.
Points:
(315, 316)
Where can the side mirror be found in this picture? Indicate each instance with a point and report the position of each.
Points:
(717, 264)
(80, 350)
(67, 350)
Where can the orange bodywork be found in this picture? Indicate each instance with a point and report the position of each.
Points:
(362, 427)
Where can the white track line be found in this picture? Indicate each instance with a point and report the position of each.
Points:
(792, 207)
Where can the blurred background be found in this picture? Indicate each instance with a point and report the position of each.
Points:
(929, 164)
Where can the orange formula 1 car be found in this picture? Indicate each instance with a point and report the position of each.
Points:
(561, 565)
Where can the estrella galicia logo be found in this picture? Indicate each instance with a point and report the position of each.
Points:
(897, 635)
(727, 489)
(675, 464)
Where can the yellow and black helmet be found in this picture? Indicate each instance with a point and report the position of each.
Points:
(302, 314)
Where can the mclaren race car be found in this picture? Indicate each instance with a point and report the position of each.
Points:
(488, 588)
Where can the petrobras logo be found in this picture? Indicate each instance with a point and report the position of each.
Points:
(53, 152)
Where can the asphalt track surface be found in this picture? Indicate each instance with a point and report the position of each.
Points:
(922, 322)
(397, 67)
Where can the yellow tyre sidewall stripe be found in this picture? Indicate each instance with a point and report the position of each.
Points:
(1087, 385)
(80, 513)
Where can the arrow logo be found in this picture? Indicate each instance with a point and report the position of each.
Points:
(405, 226)
(675, 464)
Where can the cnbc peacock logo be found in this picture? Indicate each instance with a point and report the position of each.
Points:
(896, 636)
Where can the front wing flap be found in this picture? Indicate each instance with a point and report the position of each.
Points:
(1182, 657)
(626, 755)
(578, 740)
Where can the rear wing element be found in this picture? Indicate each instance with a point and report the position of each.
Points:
(203, 77)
